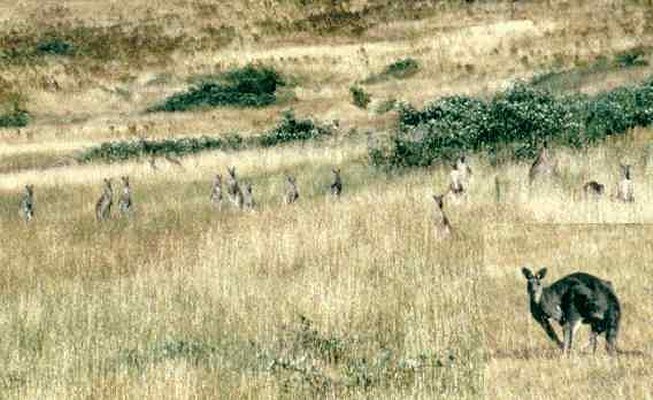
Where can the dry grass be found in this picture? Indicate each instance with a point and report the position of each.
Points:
(182, 301)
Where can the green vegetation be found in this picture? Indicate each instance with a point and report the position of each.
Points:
(29, 44)
(12, 110)
(360, 98)
(250, 86)
(289, 129)
(400, 69)
(513, 123)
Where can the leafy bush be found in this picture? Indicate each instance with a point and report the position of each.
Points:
(400, 69)
(251, 86)
(288, 129)
(291, 129)
(55, 47)
(631, 57)
(513, 123)
(360, 98)
(17, 118)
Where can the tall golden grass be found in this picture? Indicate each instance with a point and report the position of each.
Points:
(348, 298)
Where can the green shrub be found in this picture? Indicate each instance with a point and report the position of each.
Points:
(17, 118)
(291, 129)
(288, 129)
(251, 86)
(632, 57)
(400, 69)
(360, 98)
(55, 47)
(512, 123)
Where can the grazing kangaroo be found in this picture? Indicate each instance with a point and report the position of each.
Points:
(542, 166)
(125, 203)
(248, 198)
(577, 298)
(233, 189)
(103, 205)
(442, 225)
(594, 189)
(292, 193)
(459, 176)
(625, 185)
(216, 191)
(27, 203)
(336, 186)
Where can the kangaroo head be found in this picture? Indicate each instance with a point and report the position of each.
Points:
(29, 189)
(248, 188)
(439, 200)
(336, 172)
(534, 284)
(218, 179)
(290, 179)
(125, 180)
(625, 171)
(232, 172)
(107, 183)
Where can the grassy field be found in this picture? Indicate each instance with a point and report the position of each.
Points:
(327, 298)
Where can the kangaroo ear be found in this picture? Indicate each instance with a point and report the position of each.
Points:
(527, 273)
(541, 273)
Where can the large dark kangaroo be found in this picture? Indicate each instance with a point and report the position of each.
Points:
(575, 299)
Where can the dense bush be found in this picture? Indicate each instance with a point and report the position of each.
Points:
(17, 118)
(360, 98)
(288, 129)
(512, 123)
(291, 129)
(400, 69)
(251, 86)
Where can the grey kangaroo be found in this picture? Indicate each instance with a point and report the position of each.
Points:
(625, 187)
(216, 191)
(442, 225)
(542, 166)
(233, 189)
(248, 198)
(126, 203)
(27, 203)
(577, 298)
(292, 193)
(103, 205)
(459, 176)
(336, 186)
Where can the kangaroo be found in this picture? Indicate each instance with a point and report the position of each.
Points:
(442, 225)
(459, 176)
(216, 191)
(233, 189)
(292, 193)
(577, 298)
(336, 186)
(593, 189)
(27, 203)
(542, 166)
(248, 198)
(103, 205)
(125, 203)
(625, 185)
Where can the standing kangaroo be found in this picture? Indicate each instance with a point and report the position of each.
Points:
(625, 185)
(336, 186)
(27, 203)
(125, 203)
(103, 205)
(216, 191)
(442, 225)
(542, 166)
(248, 198)
(233, 189)
(292, 193)
(459, 176)
(575, 299)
